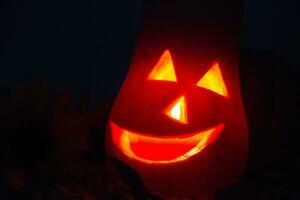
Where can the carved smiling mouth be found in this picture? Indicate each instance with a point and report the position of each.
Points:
(162, 150)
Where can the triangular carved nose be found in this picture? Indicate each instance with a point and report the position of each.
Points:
(177, 110)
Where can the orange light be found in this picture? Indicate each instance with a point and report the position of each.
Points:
(177, 110)
(162, 150)
(213, 81)
(164, 69)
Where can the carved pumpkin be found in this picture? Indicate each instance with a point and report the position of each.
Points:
(178, 119)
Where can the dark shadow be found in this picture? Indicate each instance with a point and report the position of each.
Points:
(133, 180)
(271, 94)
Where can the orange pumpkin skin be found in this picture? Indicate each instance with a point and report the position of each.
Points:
(142, 131)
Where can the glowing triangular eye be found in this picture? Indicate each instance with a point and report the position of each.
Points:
(177, 110)
(164, 69)
(213, 81)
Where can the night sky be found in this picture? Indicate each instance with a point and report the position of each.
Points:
(88, 44)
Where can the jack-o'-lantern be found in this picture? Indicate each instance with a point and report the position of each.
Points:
(178, 119)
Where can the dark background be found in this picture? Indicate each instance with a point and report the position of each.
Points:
(273, 25)
(87, 44)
